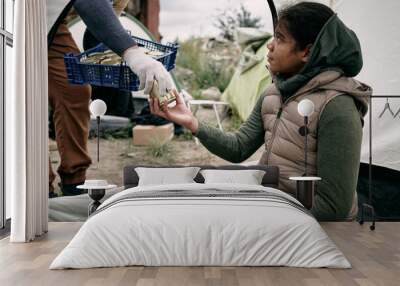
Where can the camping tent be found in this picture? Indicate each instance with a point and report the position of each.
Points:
(251, 77)
(77, 28)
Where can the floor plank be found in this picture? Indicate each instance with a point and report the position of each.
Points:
(374, 255)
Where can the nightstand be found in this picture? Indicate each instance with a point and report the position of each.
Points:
(96, 191)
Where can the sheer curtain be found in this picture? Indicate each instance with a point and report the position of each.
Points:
(26, 123)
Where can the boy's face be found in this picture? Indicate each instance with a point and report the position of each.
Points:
(283, 56)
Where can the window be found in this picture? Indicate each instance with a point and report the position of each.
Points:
(6, 43)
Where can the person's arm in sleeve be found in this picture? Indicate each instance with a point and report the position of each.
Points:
(100, 19)
(238, 146)
(235, 147)
(338, 159)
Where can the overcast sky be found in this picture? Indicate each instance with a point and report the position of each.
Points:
(183, 18)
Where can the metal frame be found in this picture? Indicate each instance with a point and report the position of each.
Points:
(6, 39)
(2, 117)
(369, 206)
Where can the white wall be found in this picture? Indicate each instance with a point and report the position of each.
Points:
(377, 25)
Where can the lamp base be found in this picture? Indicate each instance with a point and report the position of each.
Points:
(305, 193)
(305, 190)
(96, 195)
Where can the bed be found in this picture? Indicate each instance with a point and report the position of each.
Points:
(201, 224)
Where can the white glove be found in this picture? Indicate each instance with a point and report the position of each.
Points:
(147, 69)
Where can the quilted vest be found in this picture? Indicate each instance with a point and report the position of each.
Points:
(284, 145)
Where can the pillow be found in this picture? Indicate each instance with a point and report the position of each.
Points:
(162, 176)
(248, 177)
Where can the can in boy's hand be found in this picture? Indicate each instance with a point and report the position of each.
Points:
(165, 99)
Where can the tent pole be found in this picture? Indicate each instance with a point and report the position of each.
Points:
(370, 154)
(369, 204)
(372, 227)
(274, 13)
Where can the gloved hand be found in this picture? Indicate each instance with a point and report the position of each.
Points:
(147, 69)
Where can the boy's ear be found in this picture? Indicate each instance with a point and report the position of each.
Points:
(306, 53)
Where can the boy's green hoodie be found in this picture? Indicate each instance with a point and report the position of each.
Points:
(339, 130)
(336, 48)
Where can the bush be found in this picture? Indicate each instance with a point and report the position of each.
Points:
(186, 136)
(206, 72)
(228, 20)
(212, 75)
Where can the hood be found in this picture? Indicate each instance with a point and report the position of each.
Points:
(334, 80)
(336, 48)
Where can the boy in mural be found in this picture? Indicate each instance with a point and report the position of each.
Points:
(312, 56)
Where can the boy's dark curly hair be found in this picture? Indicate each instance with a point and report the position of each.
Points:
(304, 21)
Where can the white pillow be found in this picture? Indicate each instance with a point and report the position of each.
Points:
(248, 177)
(163, 176)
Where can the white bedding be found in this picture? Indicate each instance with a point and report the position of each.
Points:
(183, 231)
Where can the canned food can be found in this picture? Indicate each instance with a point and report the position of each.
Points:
(165, 99)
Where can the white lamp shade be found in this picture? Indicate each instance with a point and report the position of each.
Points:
(98, 107)
(305, 107)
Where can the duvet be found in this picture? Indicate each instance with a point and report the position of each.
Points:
(203, 225)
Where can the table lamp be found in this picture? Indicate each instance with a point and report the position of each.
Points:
(305, 108)
(98, 108)
(305, 185)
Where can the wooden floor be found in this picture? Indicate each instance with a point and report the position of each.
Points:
(375, 257)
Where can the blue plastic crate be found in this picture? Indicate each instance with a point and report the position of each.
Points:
(120, 76)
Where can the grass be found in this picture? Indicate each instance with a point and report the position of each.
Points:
(185, 136)
(212, 75)
(188, 54)
(159, 149)
(206, 73)
(122, 133)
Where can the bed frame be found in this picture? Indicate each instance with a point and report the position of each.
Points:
(270, 179)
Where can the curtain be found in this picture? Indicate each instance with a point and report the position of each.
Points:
(26, 123)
